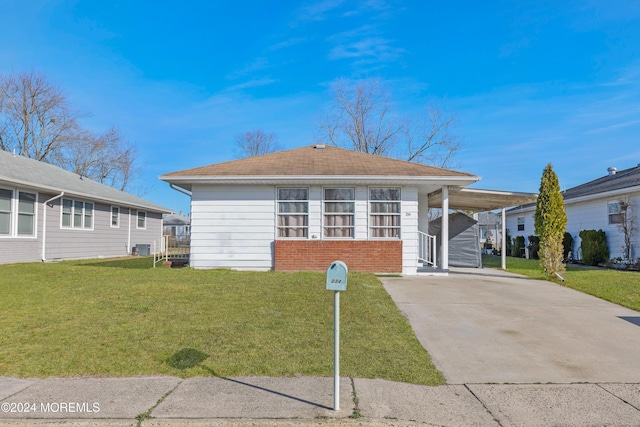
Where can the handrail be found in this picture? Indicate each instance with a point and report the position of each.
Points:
(427, 249)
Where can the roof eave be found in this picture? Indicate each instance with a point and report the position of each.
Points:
(187, 181)
(604, 194)
(45, 188)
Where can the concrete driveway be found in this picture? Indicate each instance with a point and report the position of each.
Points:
(488, 326)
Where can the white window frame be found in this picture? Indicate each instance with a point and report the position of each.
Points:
(616, 213)
(10, 212)
(326, 214)
(117, 225)
(83, 214)
(519, 223)
(15, 214)
(373, 214)
(279, 214)
(144, 218)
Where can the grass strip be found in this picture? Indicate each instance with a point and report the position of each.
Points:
(619, 287)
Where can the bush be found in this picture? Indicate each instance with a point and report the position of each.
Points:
(518, 244)
(534, 246)
(567, 244)
(507, 244)
(594, 247)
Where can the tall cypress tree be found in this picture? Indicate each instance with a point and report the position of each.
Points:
(550, 222)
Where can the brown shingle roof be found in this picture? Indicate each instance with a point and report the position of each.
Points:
(311, 161)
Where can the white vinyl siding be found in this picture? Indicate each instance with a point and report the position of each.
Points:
(409, 230)
(587, 215)
(233, 226)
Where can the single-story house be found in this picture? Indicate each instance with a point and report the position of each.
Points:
(594, 205)
(48, 213)
(489, 224)
(304, 208)
(177, 226)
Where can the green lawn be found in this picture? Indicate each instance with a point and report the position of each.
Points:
(620, 287)
(122, 318)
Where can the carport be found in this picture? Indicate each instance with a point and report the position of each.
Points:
(475, 200)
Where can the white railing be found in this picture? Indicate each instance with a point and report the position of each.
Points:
(170, 249)
(427, 249)
(161, 252)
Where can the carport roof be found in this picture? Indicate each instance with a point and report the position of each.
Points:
(480, 200)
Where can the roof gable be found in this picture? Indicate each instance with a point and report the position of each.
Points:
(46, 177)
(316, 161)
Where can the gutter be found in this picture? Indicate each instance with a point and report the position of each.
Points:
(180, 190)
(44, 224)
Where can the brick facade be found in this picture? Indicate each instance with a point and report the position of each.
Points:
(371, 256)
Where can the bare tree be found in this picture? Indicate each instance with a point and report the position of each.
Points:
(107, 158)
(431, 138)
(37, 121)
(361, 118)
(256, 143)
(627, 226)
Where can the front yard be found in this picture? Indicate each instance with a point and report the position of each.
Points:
(122, 318)
(619, 287)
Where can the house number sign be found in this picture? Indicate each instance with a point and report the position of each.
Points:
(337, 276)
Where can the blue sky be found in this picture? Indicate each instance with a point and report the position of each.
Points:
(531, 82)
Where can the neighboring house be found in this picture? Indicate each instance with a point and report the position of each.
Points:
(177, 227)
(592, 206)
(301, 209)
(490, 225)
(48, 213)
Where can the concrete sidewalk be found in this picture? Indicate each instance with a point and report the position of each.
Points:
(257, 401)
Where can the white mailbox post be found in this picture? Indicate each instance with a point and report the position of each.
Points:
(337, 282)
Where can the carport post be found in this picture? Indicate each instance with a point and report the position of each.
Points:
(503, 250)
(444, 230)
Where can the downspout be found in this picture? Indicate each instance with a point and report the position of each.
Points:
(129, 234)
(44, 224)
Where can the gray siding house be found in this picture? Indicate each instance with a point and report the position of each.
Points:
(48, 213)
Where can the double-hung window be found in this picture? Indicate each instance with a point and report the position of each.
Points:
(339, 211)
(520, 223)
(384, 212)
(293, 212)
(6, 197)
(616, 216)
(115, 216)
(26, 213)
(17, 213)
(142, 220)
(77, 214)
